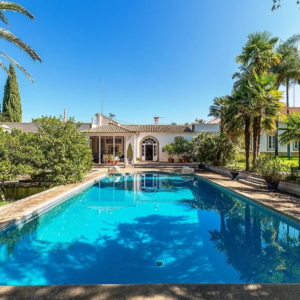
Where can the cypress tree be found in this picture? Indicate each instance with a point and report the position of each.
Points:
(11, 100)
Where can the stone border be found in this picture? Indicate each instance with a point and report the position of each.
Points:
(47, 206)
(154, 291)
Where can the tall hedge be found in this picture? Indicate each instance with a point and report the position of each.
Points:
(11, 100)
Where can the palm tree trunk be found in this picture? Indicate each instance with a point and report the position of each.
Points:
(258, 136)
(247, 141)
(255, 139)
(288, 111)
(276, 140)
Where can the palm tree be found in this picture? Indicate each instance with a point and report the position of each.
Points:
(239, 114)
(288, 72)
(10, 37)
(258, 56)
(218, 110)
(291, 131)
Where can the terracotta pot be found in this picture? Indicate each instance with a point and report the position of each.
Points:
(110, 161)
(180, 160)
(171, 160)
(116, 162)
(186, 160)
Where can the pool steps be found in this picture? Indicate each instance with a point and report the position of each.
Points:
(254, 181)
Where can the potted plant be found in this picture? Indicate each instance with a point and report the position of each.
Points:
(129, 153)
(179, 149)
(169, 150)
(272, 170)
(110, 158)
(117, 157)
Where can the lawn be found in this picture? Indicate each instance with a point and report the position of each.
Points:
(289, 160)
(5, 202)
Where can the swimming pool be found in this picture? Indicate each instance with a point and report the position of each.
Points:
(152, 228)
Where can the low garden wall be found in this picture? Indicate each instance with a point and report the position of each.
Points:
(290, 187)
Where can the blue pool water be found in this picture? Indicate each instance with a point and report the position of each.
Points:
(152, 228)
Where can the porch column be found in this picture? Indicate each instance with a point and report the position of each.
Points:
(100, 150)
(114, 143)
(134, 149)
(125, 150)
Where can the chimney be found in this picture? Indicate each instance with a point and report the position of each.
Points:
(98, 116)
(92, 121)
(196, 121)
(65, 115)
(156, 120)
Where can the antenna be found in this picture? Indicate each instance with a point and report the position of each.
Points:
(102, 96)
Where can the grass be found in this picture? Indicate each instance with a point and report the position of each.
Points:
(290, 161)
(2, 203)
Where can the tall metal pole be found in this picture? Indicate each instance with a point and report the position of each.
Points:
(102, 96)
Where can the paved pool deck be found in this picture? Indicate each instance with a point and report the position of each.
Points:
(278, 202)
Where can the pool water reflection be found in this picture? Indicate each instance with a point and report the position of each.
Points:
(152, 228)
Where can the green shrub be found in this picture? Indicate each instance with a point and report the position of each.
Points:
(215, 149)
(169, 150)
(66, 151)
(129, 151)
(272, 169)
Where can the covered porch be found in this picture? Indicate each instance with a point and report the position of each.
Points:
(113, 144)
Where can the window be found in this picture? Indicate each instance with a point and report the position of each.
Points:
(271, 142)
(117, 141)
(112, 150)
(178, 138)
(149, 141)
(296, 145)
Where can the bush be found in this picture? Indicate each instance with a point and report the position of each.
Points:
(169, 150)
(129, 151)
(272, 169)
(215, 149)
(66, 151)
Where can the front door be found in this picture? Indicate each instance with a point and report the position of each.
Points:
(149, 152)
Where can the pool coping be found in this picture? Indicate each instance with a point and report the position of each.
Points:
(154, 291)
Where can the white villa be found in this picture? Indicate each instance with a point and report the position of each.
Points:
(107, 136)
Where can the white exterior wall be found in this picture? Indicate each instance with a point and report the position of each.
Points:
(163, 139)
(282, 150)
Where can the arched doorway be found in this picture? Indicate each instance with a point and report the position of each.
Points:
(149, 149)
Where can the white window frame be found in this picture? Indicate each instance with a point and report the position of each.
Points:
(296, 146)
(270, 142)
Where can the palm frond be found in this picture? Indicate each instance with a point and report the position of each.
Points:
(4, 68)
(7, 35)
(3, 18)
(11, 6)
(17, 65)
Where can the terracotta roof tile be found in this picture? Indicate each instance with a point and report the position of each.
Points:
(159, 128)
(291, 110)
(112, 128)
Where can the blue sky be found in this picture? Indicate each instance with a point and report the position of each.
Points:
(158, 57)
